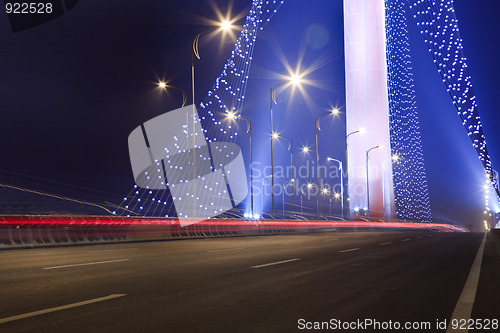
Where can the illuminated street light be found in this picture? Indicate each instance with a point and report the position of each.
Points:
(195, 53)
(292, 177)
(232, 115)
(361, 130)
(336, 196)
(305, 149)
(317, 128)
(225, 25)
(367, 176)
(341, 168)
(164, 86)
(295, 79)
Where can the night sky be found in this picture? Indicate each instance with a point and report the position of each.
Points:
(74, 88)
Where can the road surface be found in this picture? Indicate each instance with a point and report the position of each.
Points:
(245, 284)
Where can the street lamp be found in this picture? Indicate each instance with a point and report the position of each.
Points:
(295, 79)
(195, 53)
(233, 116)
(367, 179)
(225, 25)
(290, 148)
(309, 187)
(361, 130)
(395, 158)
(336, 196)
(316, 129)
(164, 86)
(325, 192)
(341, 184)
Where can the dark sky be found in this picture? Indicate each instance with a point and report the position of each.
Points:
(74, 88)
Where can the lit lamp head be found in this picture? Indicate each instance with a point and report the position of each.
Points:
(334, 111)
(395, 157)
(275, 135)
(337, 195)
(305, 149)
(225, 25)
(162, 85)
(295, 79)
(325, 191)
(309, 185)
(231, 115)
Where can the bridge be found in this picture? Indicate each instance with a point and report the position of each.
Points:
(271, 201)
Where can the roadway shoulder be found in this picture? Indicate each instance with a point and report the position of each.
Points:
(488, 291)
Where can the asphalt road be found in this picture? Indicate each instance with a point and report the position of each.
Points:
(248, 284)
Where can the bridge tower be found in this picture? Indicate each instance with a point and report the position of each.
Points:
(367, 107)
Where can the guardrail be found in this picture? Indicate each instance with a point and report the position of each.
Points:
(31, 231)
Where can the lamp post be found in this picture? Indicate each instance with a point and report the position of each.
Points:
(226, 25)
(233, 116)
(295, 80)
(164, 86)
(309, 187)
(341, 184)
(367, 174)
(290, 148)
(394, 160)
(361, 130)
(325, 192)
(336, 196)
(316, 129)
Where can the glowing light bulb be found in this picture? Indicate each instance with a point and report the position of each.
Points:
(225, 25)
(296, 79)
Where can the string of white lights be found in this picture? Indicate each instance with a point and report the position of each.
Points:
(438, 25)
(228, 93)
(409, 177)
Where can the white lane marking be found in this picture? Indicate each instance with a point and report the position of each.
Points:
(349, 250)
(59, 308)
(387, 243)
(463, 309)
(275, 263)
(405, 240)
(132, 248)
(87, 263)
(223, 250)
